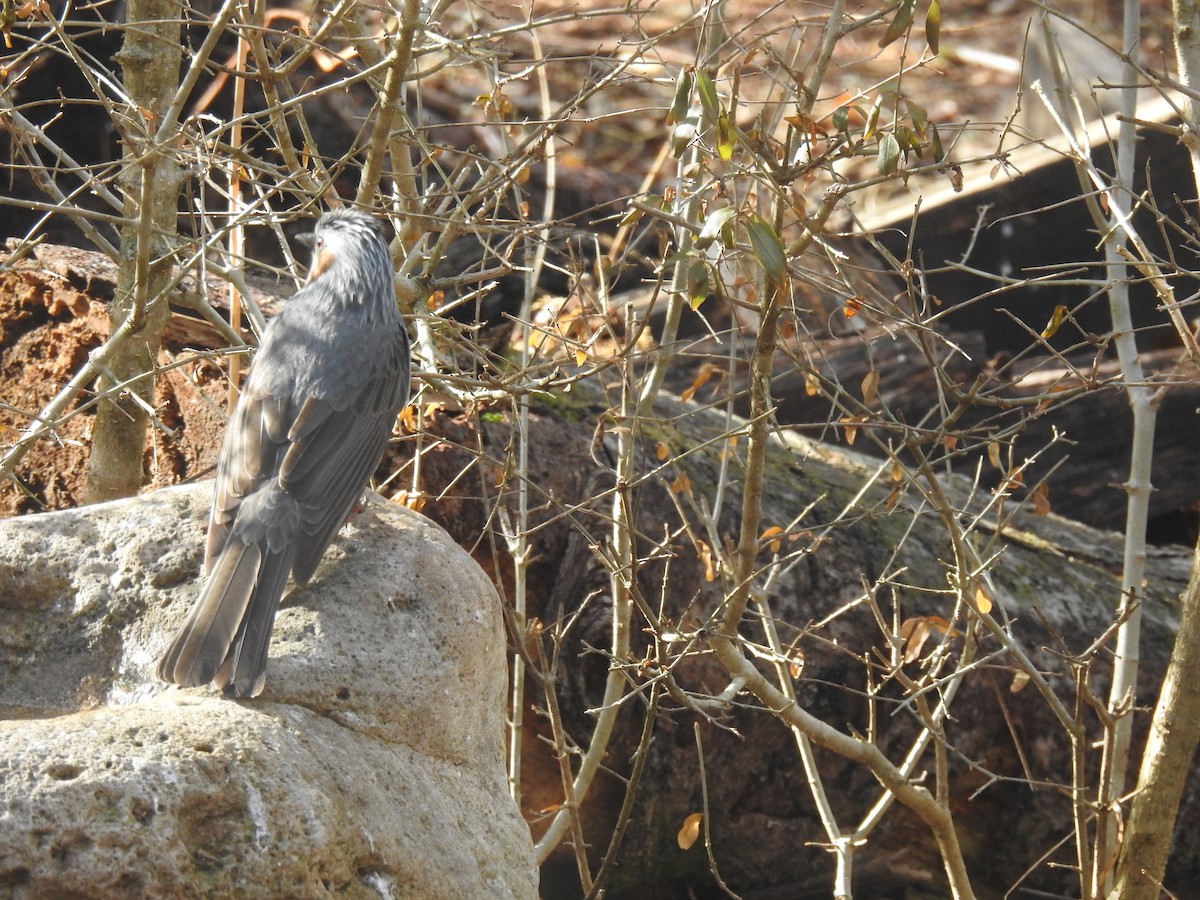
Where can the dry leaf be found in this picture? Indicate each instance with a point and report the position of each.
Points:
(412, 500)
(915, 631)
(1041, 499)
(1047, 400)
(870, 387)
(703, 375)
(850, 427)
(682, 484)
(1056, 319)
(690, 831)
(796, 663)
(773, 534)
(661, 450)
(852, 307)
(1019, 682)
(983, 602)
(705, 554)
(993, 454)
(1014, 481)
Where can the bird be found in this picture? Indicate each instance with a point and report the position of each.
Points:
(314, 416)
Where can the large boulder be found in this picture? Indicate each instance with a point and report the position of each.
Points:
(371, 765)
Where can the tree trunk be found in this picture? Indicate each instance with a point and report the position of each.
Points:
(150, 179)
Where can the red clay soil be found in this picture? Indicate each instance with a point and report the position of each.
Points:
(47, 328)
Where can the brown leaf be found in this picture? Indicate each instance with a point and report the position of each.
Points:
(414, 501)
(796, 662)
(1041, 499)
(983, 602)
(773, 534)
(993, 454)
(850, 426)
(690, 832)
(703, 375)
(870, 387)
(916, 630)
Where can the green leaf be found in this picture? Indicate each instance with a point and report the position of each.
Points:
(889, 154)
(901, 22)
(873, 119)
(918, 116)
(713, 226)
(726, 137)
(682, 135)
(768, 250)
(632, 215)
(908, 139)
(683, 97)
(710, 103)
(697, 283)
(933, 27)
(935, 141)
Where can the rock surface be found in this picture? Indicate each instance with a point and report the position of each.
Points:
(371, 766)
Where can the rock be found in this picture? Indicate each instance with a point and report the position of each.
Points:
(371, 766)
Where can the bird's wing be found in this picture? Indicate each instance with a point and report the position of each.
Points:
(335, 447)
(255, 441)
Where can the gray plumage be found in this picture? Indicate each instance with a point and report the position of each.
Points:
(314, 417)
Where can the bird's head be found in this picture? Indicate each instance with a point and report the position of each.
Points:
(352, 237)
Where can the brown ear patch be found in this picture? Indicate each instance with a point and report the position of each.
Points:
(322, 260)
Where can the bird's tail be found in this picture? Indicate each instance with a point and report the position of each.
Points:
(226, 637)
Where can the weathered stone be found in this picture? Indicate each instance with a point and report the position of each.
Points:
(372, 764)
